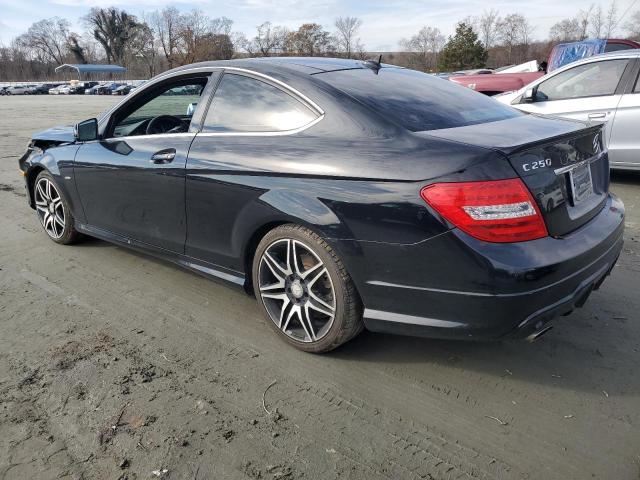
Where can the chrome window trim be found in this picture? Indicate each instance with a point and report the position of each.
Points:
(251, 73)
(155, 135)
(281, 84)
(266, 133)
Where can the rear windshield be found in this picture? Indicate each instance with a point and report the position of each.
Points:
(418, 101)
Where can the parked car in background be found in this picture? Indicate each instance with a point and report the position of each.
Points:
(561, 55)
(56, 89)
(93, 90)
(601, 89)
(43, 88)
(80, 87)
(344, 195)
(64, 89)
(107, 88)
(122, 90)
(18, 90)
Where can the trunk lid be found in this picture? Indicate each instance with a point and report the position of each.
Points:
(563, 163)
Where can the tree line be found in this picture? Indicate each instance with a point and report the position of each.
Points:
(167, 38)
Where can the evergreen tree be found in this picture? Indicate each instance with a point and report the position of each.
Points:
(463, 51)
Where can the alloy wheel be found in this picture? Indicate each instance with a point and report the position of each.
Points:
(296, 290)
(49, 207)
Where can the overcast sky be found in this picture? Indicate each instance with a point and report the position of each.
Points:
(385, 22)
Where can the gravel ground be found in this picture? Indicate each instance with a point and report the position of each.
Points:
(114, 365)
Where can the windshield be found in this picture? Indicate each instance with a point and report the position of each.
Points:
(418, 101)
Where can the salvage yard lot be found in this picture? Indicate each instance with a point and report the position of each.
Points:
(115, 365)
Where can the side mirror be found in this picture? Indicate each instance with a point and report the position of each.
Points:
(86, 131)
(529, 95)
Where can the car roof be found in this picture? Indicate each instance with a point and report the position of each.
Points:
(308, 65)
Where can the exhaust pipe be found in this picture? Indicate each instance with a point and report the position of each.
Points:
(536, 335)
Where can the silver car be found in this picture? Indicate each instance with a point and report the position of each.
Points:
(599, 89)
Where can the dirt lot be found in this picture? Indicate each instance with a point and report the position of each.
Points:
(115, 365)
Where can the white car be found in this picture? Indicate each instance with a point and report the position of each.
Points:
(600, 89)
(19, 90)
(64, 89)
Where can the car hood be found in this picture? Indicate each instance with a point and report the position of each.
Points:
(62, 133)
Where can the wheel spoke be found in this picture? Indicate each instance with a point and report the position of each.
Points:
(294, 309)
(320, 306)
(305, 318)
(41, 191)
(48, 189)
(309, 271)
(297, 309)
(316, 277)
(42, 209)
(293, 263)
(58, 220)
(274, 286)
(48, 222)
(275, 296)
(277, 270)
(283, 310)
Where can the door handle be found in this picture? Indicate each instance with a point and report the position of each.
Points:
(164, 156)
(596, 116)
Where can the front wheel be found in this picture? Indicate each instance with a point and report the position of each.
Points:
(305, 291)
(53, 210)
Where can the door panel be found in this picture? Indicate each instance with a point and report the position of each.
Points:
(125, 192)
(624, 144)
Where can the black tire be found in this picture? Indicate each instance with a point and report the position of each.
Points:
(67, 234)
(347, 318)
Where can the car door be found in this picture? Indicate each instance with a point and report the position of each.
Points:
(624, 143)
(588, 92)
(132, 181)
(253, 125)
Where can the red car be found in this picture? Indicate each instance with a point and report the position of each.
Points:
(560, 55)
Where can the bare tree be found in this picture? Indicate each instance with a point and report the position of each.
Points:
(74, 47)
(611, 19)
(346, 34)
(583, 21)
(633, 26)
(424, 47)
(487, 25)
(143, 47)
(48, 38)
(310, 39)
(515, 32)
(596, 23)
(567, 30)
(167, 25)
(268, 40)
(114, 29)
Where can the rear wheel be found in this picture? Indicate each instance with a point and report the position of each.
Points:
(53, 210)
(304, 290)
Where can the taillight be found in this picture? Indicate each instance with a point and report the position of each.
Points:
(494, 211)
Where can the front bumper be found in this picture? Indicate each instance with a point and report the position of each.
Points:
(454, 286)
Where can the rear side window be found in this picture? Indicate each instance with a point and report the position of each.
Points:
(616, 47)
(245, 104)
(588, 80)
(418, 101)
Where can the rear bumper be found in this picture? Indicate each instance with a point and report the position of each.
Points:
(454, 286)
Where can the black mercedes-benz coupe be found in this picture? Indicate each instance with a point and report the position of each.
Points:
(345, 194)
